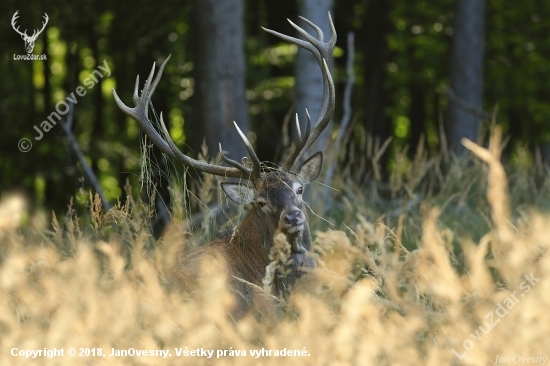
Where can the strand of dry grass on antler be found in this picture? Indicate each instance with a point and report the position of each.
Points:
(406, 290)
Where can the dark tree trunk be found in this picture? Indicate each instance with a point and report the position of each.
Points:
(309, 79)
(219, 98)
(377, 27)
(466, 71)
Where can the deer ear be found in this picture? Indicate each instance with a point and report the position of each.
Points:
(238, 192)
(311, 168)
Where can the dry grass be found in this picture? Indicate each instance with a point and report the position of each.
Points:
(373, 300)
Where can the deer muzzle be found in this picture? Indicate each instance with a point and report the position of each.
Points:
(293, 221)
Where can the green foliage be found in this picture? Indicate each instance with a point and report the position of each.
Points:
(419, 44)
(81, 35)
(518, 74)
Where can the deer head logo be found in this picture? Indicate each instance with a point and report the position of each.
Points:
(29, 40)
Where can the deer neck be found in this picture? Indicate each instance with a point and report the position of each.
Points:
(253, 239)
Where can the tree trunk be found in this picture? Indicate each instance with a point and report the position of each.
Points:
(219, 71)
(466, 71)
(309, 79)
(377, 26)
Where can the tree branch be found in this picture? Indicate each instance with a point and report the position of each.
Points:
(346, 118)
(66, 126)
(467, 107)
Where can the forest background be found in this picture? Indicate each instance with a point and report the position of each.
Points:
(422, 71)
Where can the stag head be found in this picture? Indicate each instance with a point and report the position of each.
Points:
(29, 40)
(277, 196)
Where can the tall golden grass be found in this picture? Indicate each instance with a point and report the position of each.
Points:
(373, 300)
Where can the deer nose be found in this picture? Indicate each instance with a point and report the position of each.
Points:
(293, 218)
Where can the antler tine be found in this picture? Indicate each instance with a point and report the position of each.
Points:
(135, 97)
(308, 126)
(159, 74)
(298, 128)
(142, 107)
(148, 82)
(319, 31)
(333, 35)
(314, 41)
(322, 51)
(234, 163)
(167, 145)
(296, 41)
(301, 143)
(256, 170)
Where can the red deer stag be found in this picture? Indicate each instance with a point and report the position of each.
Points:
(275, 195)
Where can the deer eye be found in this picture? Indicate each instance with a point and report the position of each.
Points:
(300, 190)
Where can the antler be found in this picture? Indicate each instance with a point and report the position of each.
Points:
(166, 145)
(323, 54)
(43, 26)
(13, 20)
(24, 34)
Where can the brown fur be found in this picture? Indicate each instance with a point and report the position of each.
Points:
(246, 251)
